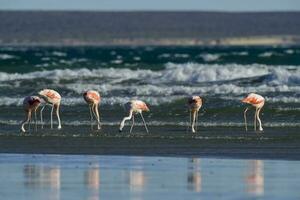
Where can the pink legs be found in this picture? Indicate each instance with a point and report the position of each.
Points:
(194, 120)
(144, 122)
(256, 118)
(132, 124)
(56, 106)
(245, 118)
(94, 112)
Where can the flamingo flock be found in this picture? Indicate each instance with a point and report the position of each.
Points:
(133, 107)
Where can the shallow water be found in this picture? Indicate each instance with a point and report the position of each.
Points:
(56, 177)
(161, 76)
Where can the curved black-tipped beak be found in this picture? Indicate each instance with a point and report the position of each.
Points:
(120, 130)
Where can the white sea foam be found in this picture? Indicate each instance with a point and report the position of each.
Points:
(163, 123)
(184, 73)
(289, 51)
(268, 54)
(210, 57)
(179, 55)
(241, 53)
(7, 56)
(59, 54)
(173, 82)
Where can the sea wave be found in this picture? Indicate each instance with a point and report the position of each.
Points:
(151, 100)
(175, 81)
(207, 57)
(183, 73)
(7, 56)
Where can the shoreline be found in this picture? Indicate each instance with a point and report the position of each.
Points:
(252, 147)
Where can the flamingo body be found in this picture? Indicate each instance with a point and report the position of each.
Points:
(255, 100)
(194, 104)
(258, 102)
(30, 105)
(53, 98)
(93, 99)
(134, 107)
(50, 96)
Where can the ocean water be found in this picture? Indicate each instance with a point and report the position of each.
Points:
(161, 76)
(54, 177)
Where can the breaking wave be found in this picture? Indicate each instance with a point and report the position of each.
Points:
(175, 81)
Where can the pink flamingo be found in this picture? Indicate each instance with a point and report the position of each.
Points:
(30, 105)
(53, 98)
(194, 104)
(93, 100)
(258, 102)
(134, 107)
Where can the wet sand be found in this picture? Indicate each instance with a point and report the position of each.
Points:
(217, 142)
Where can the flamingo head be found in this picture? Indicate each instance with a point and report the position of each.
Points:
(145, 108)
(245, 100)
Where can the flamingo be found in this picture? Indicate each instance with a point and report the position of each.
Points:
(194, 104)
(30, 105)
(258, 102)
(134, 107)
(93, 100)
(53, 98)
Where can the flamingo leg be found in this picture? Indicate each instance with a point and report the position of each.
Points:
(124, 119)
(245, 118)
(91, 116)
(144, 122)
(93, 111)
(132, 124)
(193, 121)
(58, 117)
(51, 117)
(97, 116)
(28, 116)
(255, 119)
(196, 127)
(30, 122)
(35, 120)
(41, 113)
(258, 119)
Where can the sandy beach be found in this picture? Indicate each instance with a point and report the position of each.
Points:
(217, 142)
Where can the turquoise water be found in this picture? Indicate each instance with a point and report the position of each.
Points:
(161, 76)
(121, 177)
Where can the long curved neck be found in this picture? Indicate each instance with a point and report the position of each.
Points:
(126, 118)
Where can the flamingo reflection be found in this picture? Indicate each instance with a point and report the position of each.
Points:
(194, 175)
(36, 176)
(255, 178)
(137, 180)
(92, 181)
